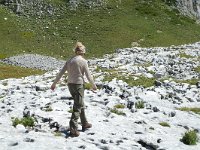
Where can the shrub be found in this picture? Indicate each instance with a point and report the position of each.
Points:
(26, 121)
(116, 111)
(164, 124)
(88, 86)
(141, 81)
(5, 83)
(119, 106)
(70, 111)
(2, 56)
(48, 109)
(194, 109)
(139, 105)
(9, 71)
(184, 55)
(58, 133)
(197, 69)
(190, 138)
(189, 81)
(170, 2)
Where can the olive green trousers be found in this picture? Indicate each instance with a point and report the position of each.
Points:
(77, 92)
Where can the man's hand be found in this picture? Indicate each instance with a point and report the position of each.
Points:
(53, 86)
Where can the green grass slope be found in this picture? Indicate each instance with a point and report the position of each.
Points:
(102, 30)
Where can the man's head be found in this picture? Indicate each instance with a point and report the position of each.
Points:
(79, 48)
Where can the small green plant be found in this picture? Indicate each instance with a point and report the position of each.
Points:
(184, 55)
(1, 97)
(190, 138)
(151, 72)
(26, 121)
(4, 83)
(2, 56)
(98, 69)
(119, 106)
(139, 104)
(71, 110)
(187, 109)
(131, 81)
(58, 133)
(116, 111)
(88, 86)
(9, 71)
(48, 109)
(164, 124)
(197, 69)
(189, 81)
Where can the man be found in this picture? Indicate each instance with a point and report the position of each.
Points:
(77, 67)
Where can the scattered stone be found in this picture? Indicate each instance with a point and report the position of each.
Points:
(35, 61)
(137, 132)
(90, 133)
(104, 147)
(140, 122)
(157, 83)
(158, 75)
(105, 120)
(13, 143)
(38, 88)
(119, 141)
(29, 140)
(64, 98)
(172, 114)
(159, 140)
(26, 112)
(104, 141)
(111, 141)
(155, 109)
(130, 104)
(54, 125)
(9, 110)
(148, 145)
(198, 84)
(46, 120)
(82, 147)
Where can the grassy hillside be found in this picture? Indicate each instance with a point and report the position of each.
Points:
(8, 71)
(102, 30)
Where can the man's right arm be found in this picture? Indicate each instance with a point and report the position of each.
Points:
(58, 77)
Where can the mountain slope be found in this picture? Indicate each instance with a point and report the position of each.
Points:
(102, 29)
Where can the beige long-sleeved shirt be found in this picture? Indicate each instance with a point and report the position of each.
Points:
(76, 67)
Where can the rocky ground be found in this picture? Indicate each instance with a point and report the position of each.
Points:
(128, 128)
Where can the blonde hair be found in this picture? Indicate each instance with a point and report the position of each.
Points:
(79, 47)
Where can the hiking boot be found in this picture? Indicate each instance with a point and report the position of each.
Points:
(74, 133)
(86, 126)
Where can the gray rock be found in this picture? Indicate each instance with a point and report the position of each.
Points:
(26, 112)
(13, 143)
(29, 140)
(82, 147)
(148, 145)
(103, 141)
(198, 84)
(172, 114)
(158, 75)
(35, 61)
(155, 109)
(20, 128)
(157, 83)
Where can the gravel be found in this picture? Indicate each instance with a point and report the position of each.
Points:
(35, 61)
